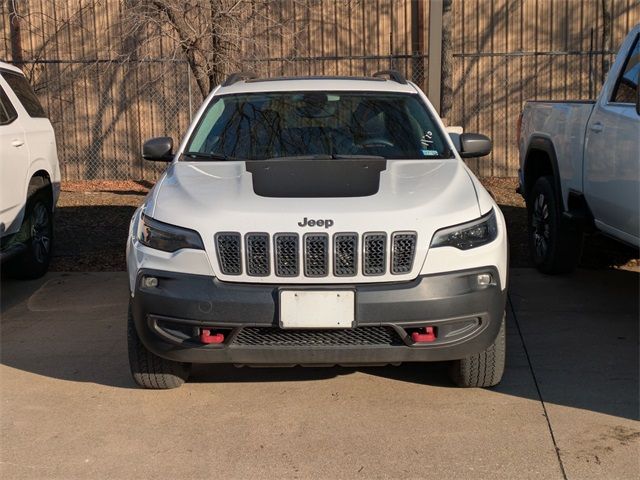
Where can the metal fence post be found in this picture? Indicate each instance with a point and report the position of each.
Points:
(190, 94)
(434, 77)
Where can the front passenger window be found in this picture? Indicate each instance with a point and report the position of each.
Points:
(627, 84)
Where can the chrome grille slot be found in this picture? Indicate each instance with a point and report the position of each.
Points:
(316, 254)
(345, 254)
(286, 252)
(257, 254)
(403, 251)
(228, 248)
(374, 247)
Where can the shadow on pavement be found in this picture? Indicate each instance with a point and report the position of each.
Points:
(580, 333)
(581, 336)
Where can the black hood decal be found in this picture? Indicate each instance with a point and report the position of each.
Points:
(353, 177)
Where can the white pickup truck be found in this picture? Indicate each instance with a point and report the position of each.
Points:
(579, 165)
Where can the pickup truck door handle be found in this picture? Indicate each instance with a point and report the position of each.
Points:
(597, 127)
(17, 143)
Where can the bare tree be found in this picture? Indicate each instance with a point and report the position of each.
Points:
(214, 36)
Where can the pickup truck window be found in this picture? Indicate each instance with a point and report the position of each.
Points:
(627, 84)
(258, 126)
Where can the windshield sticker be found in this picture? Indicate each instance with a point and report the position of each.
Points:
(430, 153)
(427, 139)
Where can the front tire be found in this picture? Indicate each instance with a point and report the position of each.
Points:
(149, 370)
(484, 369)
(555, 244)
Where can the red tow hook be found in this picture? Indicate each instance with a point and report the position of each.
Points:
(206, 337)
(429, 335)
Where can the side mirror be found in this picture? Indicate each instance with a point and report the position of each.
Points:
(455, 132)
(474, 145)
(158, 149)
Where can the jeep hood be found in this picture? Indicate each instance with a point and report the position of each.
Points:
(413, 195)
(411, 192)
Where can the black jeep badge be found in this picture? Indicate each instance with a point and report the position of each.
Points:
(316, 223)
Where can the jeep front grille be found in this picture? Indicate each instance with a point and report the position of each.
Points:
(403, 252)
(375, 253)
(228, 248)
(257, 251)
(318, 255)
(345, 254)
(286, 254)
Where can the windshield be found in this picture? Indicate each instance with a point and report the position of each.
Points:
(260, 126)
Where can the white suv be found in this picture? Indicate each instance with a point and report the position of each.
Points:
(29, 178)
(318, 220)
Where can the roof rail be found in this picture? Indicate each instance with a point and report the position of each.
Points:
(394, 75)
(237, 76)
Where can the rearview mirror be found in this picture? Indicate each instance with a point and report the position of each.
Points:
(474, 145)
(158, 149)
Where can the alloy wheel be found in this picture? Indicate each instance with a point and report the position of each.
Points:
(40, 232)
(541, 223)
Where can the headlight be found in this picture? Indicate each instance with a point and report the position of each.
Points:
(468, 235)
(165, 237)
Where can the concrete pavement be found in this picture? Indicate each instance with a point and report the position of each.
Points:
(567, 407)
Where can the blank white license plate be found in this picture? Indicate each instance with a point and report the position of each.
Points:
(317, 309)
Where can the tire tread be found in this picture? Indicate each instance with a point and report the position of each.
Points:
(484, 369)
(149, 370)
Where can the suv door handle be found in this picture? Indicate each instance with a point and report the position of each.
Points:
(17, 143)
(597, 127)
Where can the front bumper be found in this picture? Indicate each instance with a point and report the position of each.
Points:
(466, 317)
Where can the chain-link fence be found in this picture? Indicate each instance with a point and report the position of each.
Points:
(490, 90)
(414, 66)
(102, 112)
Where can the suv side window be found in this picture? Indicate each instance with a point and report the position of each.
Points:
(25, 94)
(7, 113)
(627, 84)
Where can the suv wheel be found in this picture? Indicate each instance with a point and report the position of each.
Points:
(554, 243)
(484, 369)
(149, 370)
(37, 232)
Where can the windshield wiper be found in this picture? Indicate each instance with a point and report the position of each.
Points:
(207, 156)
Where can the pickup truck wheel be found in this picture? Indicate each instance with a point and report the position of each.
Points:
(484, 369)
(149, 370)
(554, 243)
(37, 235)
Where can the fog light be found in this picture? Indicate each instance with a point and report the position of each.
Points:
(484, 279)
(150, 282)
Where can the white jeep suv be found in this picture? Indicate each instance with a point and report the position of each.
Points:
(318, 220)
(29, 178)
